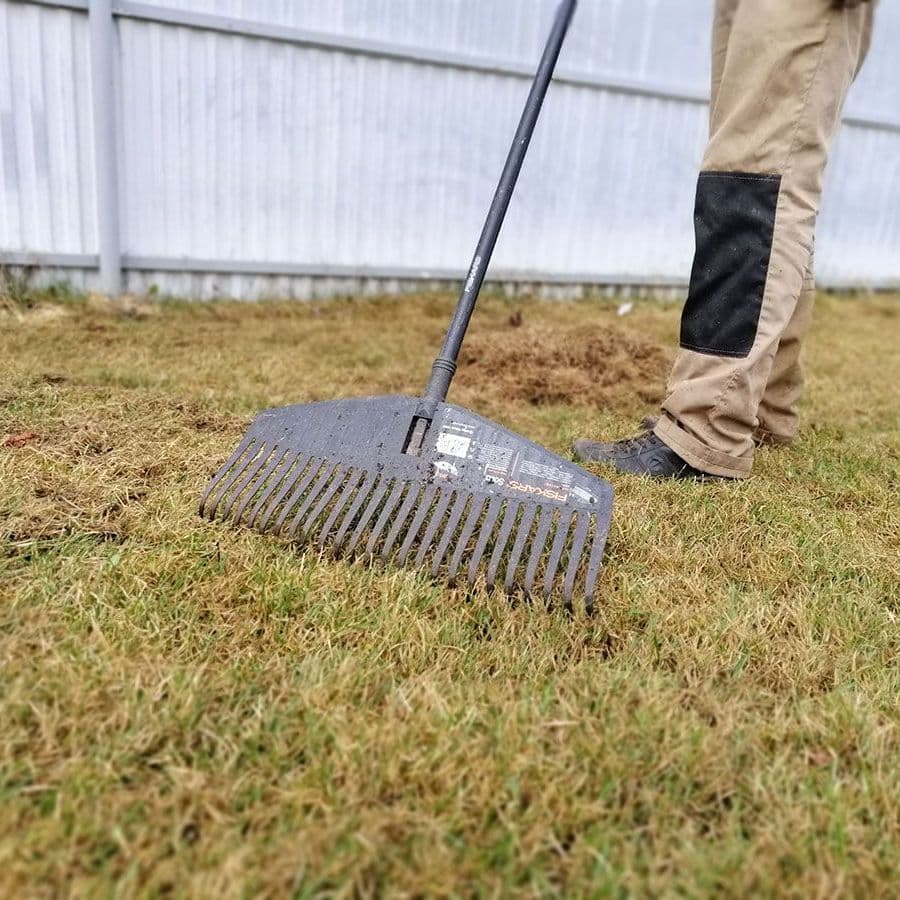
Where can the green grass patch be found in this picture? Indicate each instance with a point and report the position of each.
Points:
(194, 710)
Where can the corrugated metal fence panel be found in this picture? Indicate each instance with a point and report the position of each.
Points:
(407, 155)
(662, 41)
(859, 229)
(876, 94)
(46, 143)
(238, 150)
(359, 161)
(385, 164)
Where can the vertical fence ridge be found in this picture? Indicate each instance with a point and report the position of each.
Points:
(106, 158)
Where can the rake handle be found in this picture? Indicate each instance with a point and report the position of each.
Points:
(444, 367)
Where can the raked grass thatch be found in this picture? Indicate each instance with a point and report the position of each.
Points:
(197, 711)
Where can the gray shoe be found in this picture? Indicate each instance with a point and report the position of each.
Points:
(647, 424)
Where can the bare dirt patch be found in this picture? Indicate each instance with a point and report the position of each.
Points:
(20, 439)
(541, 365)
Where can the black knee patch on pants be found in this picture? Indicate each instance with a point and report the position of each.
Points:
(734, 222)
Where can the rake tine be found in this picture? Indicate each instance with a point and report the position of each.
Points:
(349, 486)
(519, 545)
(292, 476)
(593, 571)
(399, 521)
(556, 551)
(223, 470)
(490, 519)
(271, 487)
(581, 529)
(465, 536)
(437, 516)
(340, 478)
(416, 524)
(218, 479)
(537, 547)
(385, 516)
(449, 531)
(249, 474)
(509, 519)
(355, 506)
(367, 515)
(274, 460)
(319, 485)
(316, 466)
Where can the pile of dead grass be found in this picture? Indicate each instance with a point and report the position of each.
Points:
(598, 366)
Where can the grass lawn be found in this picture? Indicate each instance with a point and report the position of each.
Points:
(194, 710)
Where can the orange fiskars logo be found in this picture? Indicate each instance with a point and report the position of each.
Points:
(546, 493)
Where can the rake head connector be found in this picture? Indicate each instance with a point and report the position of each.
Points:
(476, 500)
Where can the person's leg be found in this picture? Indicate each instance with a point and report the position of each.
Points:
(723, 22)
(778, 418)
(786, 73)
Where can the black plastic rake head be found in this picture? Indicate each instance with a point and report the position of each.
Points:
(477, 501)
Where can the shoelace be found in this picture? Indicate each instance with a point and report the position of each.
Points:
(634, 444)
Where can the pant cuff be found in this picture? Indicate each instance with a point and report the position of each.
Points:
(697, 454)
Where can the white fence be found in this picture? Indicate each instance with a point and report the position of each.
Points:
(229, 147)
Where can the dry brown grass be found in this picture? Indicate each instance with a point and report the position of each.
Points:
(197, 711)
(577, 366)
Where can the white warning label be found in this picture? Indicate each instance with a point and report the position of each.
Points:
(546, 473)
(453, 444)
(497, 461)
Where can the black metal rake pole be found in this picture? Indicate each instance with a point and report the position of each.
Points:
(444, 367)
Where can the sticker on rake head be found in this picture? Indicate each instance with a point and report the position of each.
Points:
(497, 462)
(544, 472)
(583, 495)
(444, 471)
(453, 445)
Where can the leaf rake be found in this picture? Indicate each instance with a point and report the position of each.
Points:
(422, 482)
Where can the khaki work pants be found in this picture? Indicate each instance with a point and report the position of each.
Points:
(781, 72)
